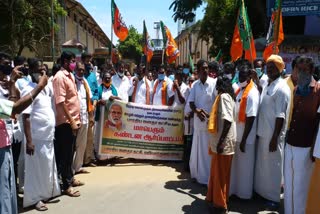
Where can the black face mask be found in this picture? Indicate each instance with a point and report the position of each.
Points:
(6, 69)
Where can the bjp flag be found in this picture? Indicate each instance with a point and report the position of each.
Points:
(147, 45)
(119, 27)
(170, 45)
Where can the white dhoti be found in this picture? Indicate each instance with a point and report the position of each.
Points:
(81, 144)
(268, 170)
(200, 159)
(297, 172)
(242, 172)
(41, 180)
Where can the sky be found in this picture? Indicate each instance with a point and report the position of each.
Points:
(134, 12)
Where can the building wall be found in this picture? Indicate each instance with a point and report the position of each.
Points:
(199, 48)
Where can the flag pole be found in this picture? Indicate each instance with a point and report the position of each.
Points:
(245, 9)
(111, 45)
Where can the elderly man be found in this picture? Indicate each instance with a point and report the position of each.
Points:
(41, 178)
(86, 112)
(142, 87)
(122, 83)
(301, 136)
(201, 98)
(8, 198)
(247, 104)
(271, 131)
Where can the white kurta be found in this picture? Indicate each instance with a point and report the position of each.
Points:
(242, 171)
(106, 93)
(123, 86)
(185, 91)
(41, 179)
(157, 96)
(141, 91)
(268, 169)
(203, 95)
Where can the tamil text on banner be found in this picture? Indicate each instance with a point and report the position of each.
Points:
(142, 131)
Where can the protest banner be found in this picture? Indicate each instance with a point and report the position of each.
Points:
(142, 131)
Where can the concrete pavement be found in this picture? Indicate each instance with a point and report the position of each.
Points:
(141, 187)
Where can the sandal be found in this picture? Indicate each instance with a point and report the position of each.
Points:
(82, 171)
(77, 183)
(40, 206)
(71, 193)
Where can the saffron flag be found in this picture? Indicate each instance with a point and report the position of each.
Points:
(170, 45)
(275, 34)
(147, 45)
(119, 27)
(242, 37)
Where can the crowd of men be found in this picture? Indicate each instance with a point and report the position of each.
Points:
(259, 124)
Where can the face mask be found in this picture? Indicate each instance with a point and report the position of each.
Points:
(243, 84)
(259, 72)
(236, 77)
(79, 78)
(72, 66)
(185, 70)
(120, 74)
(171, 77)
(6, 69)
(161, 77)
(304, 79)
(229, 76)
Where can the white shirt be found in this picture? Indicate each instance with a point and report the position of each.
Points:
(82, 95)
(203, 96)
(185, 91)
(264, 81)
(42, 117)
(316, 151)
(275, 104)
(141, 91)
(122, 85)
(23, 82)
(106, 93)
(157, 97)
(253, 101)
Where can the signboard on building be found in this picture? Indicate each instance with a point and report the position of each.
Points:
(296, 7)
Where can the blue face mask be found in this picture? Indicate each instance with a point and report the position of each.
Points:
(171, 77)
(185, 70)
(259, 72)
(161, 77)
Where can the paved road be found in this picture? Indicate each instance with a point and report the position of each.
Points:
(141, 187)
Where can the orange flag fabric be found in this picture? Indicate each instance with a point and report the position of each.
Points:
(119, 27)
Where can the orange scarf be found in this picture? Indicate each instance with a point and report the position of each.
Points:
(89, 103)
(163, 91)
(147, 92)
(213, 119)
(243, 102)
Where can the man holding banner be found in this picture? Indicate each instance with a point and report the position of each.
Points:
(202, 96)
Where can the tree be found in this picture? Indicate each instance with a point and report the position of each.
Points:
(131, 48)
(26, 23)
(220, 19)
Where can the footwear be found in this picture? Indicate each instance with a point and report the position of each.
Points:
(40, 206)
(82, 171)
(92, 164)
(76, 183)
(71, 193)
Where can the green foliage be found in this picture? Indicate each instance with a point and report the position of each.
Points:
(220, 19)
(26, 23)
(131, 48)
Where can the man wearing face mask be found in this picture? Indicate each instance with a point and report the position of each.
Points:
(39, 123)
(229, 72)
(260, 77)
(142, 87)
(272, 124)
(201, 99)
(162, 90)
(301, 137)
(67, 120)
(90, 76)
(214, 69)
(181, 90)
(122, 83)
(247, 104)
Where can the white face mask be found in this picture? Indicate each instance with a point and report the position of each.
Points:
(120, 74)
(229, 76)
(243, 84)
